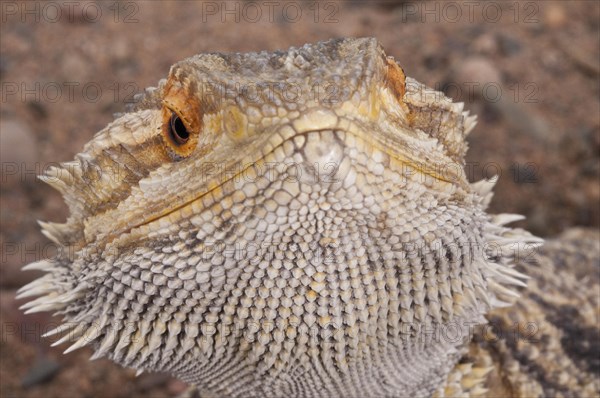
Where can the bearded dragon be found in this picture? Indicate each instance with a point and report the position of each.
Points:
(288, 223)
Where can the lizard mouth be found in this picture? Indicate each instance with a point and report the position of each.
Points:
(312, 158)
(313, 162)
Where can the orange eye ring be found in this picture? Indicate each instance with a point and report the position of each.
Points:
(182, 115)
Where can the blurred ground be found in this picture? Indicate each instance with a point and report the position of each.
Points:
(530, 70)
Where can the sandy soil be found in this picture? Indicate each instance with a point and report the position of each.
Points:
(66, 67)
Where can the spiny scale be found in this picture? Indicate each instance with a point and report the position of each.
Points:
(285, 247)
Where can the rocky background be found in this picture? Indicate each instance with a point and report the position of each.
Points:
(530, 70)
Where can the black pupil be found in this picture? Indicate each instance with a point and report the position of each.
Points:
(178, 131)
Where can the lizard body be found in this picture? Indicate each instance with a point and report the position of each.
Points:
(290, 223)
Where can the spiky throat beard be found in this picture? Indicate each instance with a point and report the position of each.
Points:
(243, 274)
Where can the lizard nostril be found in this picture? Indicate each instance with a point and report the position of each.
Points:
(177, 130)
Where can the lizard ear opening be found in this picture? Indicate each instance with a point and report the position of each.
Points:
(181, 120)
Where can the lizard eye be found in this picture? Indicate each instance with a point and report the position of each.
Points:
(177, 130)
(181, 116)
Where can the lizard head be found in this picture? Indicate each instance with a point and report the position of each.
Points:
(314, 186)
(221, 117)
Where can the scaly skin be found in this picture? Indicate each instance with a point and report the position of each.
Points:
(293, 223)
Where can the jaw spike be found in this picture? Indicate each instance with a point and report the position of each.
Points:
(513, 272)
(90, 335)
(49, 232)
(44, 300)
(78, 344)
(43, 285)
(485, 187)
(509, 280)
(145, 352)
(482, 295)
(107, 343)
(42, 265)
(135, 347)
(54, 182)
(470, 122)
(60, 329)
(498, 273)
(52, 301)
(496, 303)
(69, 297)
(498, 288)
(45, 278)
(505, 218)
(75, 333)
(95, 356)
(36, 290)
(44, 308)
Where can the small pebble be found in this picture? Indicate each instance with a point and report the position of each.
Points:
(17, 143)
(554, 16)
(477, 70)
(43, 370)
